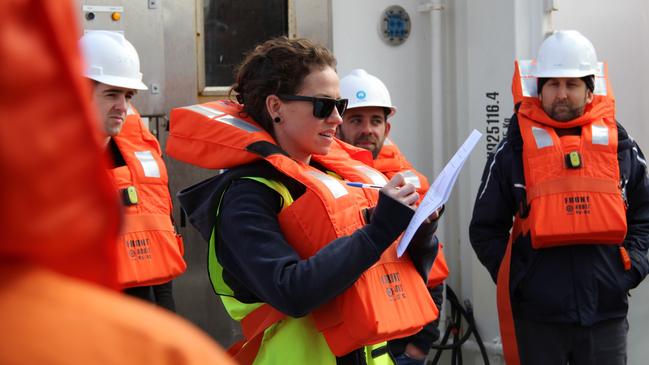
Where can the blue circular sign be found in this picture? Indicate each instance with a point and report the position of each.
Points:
(395, 25)
(361, 94)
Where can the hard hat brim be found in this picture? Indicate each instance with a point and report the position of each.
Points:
(564, 73)
(124, 82)
(393, 109)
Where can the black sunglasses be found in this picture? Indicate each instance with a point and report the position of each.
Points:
(322, 107)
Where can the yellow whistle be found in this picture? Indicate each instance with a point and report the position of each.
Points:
(130, 195)
(574, 159)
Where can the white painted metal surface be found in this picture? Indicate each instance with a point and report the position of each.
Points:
(479, 42)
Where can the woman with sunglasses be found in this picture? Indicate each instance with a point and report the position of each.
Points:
(304, 261)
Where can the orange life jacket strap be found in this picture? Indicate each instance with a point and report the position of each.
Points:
(147, 222)
(626, 259)
(505, 315)
(244, 352)
(568, 184)
(253, 326)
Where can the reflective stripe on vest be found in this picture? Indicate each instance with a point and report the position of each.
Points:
(600, 134)
(204, 110)
(411, 178)
(541, 137)
(149, 164)
(376, 177)
(223, 118)
(334, 185)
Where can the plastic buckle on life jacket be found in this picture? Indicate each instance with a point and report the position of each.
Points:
(573, 160)
(129, 196)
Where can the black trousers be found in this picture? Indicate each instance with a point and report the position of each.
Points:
(161, 295)
(561, 344)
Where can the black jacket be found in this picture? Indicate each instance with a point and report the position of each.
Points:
(582, 284)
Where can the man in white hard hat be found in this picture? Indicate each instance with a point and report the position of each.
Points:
(149, 251)
(114, 65)
(575, 185)
(365, 125)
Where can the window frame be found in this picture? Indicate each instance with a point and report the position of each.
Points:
(222, 90)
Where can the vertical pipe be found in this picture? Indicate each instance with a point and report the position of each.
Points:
(434, 8)
(437, 111)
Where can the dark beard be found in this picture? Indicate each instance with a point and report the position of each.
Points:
(570, 114)
(375, 152)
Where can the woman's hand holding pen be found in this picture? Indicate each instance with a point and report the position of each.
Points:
(403, 192)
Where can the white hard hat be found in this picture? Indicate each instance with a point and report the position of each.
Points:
(111, 59)
(566, 53)
(363, 89)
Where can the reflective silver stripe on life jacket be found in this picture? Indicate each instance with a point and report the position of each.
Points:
(224, 118)
(130, 111)
(600, 80)
(411, 178)
(239, 123)
(528, 82)
(149, 164)
(334, 185)
(600, 134)
(376, 177)
(541, 137)
(388, 142)
(203, 110)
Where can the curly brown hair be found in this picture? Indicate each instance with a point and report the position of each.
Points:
(276, 66)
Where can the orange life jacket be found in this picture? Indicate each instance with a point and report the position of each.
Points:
(389, 300)
(391, 161)
(60, 210)
(149, 250)
(572, 183)
(61, 216)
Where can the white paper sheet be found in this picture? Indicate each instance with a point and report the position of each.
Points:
(440, 189)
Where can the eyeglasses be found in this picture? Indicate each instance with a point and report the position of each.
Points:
(322, 107)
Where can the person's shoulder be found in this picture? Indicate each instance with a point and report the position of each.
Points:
(100, 326)
(624, 140)
(513, 138)
(249, 173)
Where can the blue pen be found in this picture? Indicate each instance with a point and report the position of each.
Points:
(364, 186)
